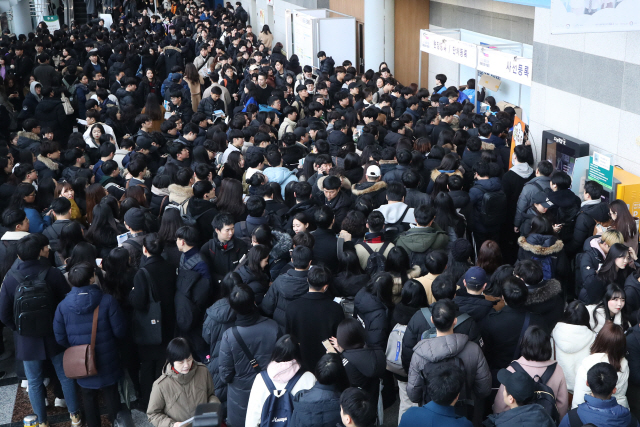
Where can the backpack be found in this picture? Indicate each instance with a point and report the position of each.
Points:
(71, 88)
(34, 304)
(246, 236)
(394, 350)
(186, 309)
(348, 306)
(463, 399)
(182, 208)
(244, 16)
(391, 231)
(376, 260)
(278, 408)
(567, 216)
(493, 207)
(543, 394)
(546, 262)
(431, 332)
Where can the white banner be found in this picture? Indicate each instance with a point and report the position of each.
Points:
(505, 65)
(595, 16)
(446, 47)
(52, 21)
(303, 38)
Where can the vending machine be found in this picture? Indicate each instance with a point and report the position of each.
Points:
(567, 154)
(626, 187)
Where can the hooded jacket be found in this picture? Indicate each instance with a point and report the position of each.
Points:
(585, 223)
(286, 288)
(476, 195)
(416, 198)
(532, 415)
(600, 412)
(536, 185)
(434, 350)
(47, 168)
(318, 406)
(178, 194)
(72, 326)
(374, 191)
(365, 366)
(28, 141)
(477, 306)
(393, 212)
(259, 284)
(174, 397)
(375, 315)
(545, 248)
(571, 344)
(419, 241)
(31, 101)
(220, 317)
(280, 175)
(260, 335)
(50, 113)
(589, 261)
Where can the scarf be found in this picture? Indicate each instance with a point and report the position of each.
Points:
(159, 191)
(523, 170)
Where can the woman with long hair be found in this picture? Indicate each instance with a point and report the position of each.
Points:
(284, 372)
(24, 198)
(149, 85)
(93, 195)
(351, 277)
(448, 219)
(572, 339)
(612, 308)
(234, 167)
(254, 273)
(103, 231)
(398, 265)
(155, 110)
(616, 268)
(373, 303)
(171, 222)
(230, 199)
(610, 346)
(489, 257)
(266, 37)
(194, 81)
(439, 185)
(493, 290)
(70, 235)
(624, 223)
(118, 275)
(64, 189)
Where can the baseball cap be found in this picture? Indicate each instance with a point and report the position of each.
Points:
(373, 171)
(542, 199)
(518, 384)
(475, 277)
(175, 77)
(145, 144)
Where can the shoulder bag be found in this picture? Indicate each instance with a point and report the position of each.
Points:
(79, 361)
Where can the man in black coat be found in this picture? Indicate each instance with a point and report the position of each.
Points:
(395, 175)
(592, 210)
(158, 278)
(325, 250)
(314, 308)
(336, 198)
(338, 136)
(470, 299)
(288, 287)
(545, 297)
(374, 189)
(502, 330)
(61, 208)
(202, 209)
(443, 287)
(223, 252)
(34, 349)
(304, 203)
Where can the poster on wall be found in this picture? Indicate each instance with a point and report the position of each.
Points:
(303, 38)
(53, 22)
(449, 48)
(505, 65)
(594, 16)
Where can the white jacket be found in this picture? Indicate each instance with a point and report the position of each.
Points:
(601, 318)
(572, 345)
(260, 393)
(393, 211)
(581, 388)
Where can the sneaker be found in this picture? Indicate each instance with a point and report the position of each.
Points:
(46, 382)
(76, 419)
(24, 384)
(60, 403)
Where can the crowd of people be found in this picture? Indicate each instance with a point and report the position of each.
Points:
(191, 217)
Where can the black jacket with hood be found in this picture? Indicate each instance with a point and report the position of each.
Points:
(376, 316)
(286, 288)
(258, 283)
(374, 191)
(218, 319)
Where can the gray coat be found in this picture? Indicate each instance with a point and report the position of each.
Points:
(524, 201)
(260, 335)
(434, 350)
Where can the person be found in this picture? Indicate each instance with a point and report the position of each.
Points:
(33, 348)
(223, 252)
(134, 221)
(266, 37)
(364, 365)
(24, 198)
(600, 406)
(502, 330)
(434, 264)
(470, 299)
(396, 211)
(572, 340)
(314, 307)
(617, 267)
(517, 394)
(373, 188)
(446, 345)
(424, 238)
(258, 335)
(595, 250)
(536, 360)
(155, 279)
(592, 211)
(610, 346)
(183, 385)
(633, 358)
(373, 304)
(325, 250)
(356, 409)
(72, 326)
(283, 372)
(373, 240)
(485, 227)
(61, 208)
(541, 182)
(612, 308)
(320, 405)
(335, 197)
(254, 273)
(444, 385)
(624, 223)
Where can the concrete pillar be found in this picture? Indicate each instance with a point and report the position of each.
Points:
(378, 33)
(21, 17)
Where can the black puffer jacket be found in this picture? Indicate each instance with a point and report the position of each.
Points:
(258, 283)
(547, 300)
(222, 261)
(326, 66)
(50, 113)
(318, 406)
(632, 292)
(365, 366)
(286, 288)
(376, 316)
(218, 319)
(374, 191)
(585, 223)
(336, 140)
(344, 286)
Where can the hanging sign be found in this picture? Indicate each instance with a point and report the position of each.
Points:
(505, 65)
(446, 47)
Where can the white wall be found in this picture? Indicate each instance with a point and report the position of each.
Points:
(279, 26)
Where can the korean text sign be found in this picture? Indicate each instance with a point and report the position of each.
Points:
(505, 65)
(449, 48)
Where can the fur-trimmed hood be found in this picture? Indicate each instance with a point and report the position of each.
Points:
(487, 146)
(48, 162)
(377, 186)
(282, 243)
(179, 194)
(543, 292)
(28, 135)
(436, 173)
(540, 245)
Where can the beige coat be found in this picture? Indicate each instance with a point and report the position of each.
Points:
(266, 39)
(174, 397)
(196, 92)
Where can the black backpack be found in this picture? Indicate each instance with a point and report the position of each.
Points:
(376, 260)
(34, 304)
(393, 230)
(567, 216)
(493, 207)
(188, 286)
(543, 394)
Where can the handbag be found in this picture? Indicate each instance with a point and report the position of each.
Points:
(66, 103)
(79, 361)
(147, 328)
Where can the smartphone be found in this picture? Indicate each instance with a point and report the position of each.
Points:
(327, 345)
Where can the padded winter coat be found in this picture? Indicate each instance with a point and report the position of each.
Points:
(571, 344)
(375, 315)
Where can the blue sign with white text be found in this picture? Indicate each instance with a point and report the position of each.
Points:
(537, 3)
